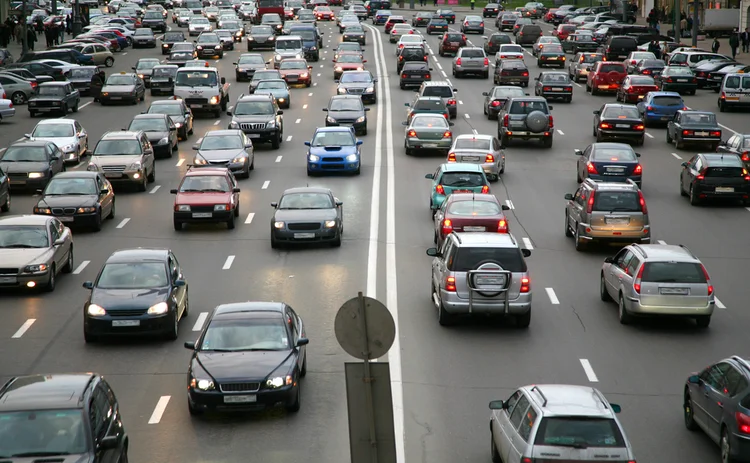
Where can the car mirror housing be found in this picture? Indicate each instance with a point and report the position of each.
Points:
(302, 342)
(88, 284)
(433, 252)
(190, 345)
(497, 405)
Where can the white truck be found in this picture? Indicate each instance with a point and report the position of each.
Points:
(718, 22)
(202, 89)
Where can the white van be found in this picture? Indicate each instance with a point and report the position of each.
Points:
(735, 91)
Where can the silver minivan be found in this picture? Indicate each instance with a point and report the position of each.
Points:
(287, 47)
(734, 91)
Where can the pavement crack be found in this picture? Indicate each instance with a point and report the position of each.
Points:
(423, 438)
(578, 316)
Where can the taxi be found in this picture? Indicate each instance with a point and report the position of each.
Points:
(125, 86)
(206, 195)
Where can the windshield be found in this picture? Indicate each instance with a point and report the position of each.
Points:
(53, 131)
(472, 144)
(621, 113)
(182, 46)
(223, 33)
(261, 30)
(306, 34)
(349, 59)
(462, 179)
(117, 147)
(356, 77)
(239, 335)
(667, 101)
(621, 201)
(288, 44)
(271, 84)
(168, 109)
(81, 73)
(703, 119)
(42, 432)
(164, 72)
(469, 258)
(24, 154)
(511, 49)
(591, 58)
(208, 38)
(151, 15)
(428, 122)
(198, 21)
(292, 64)
(173, 37)
(223, 142)
(614, 154)
(349, 47)
(356, 29)
(196, 79)
(306, 201)
(71, 186)
(51, 90)
(231, 25)
(117, 79)
(611, 67)
(253, 108)
(579, 432)
(146, 64)
(148, 125)
(305, 16)
(180, 55)
(132, 275)
(474, 208)
(205, 183)
(345, 104)
(333, 139)
(251, 59)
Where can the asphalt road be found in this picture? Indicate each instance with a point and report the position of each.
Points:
(442, 378)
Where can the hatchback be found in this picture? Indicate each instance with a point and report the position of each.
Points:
(471, 60)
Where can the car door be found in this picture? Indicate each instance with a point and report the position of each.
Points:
(617, 270)
(116, 427)
(292, 322)
(56, 161)
(100, 54)
(4, 187)
(574, 207)
(673, 127)
(583, 161)
(83, 138)
(172, 132)
(106, 195)
(498, 153)
(690, 172)
(515, 448)
(148, 153)
(709, 400)
(100, 416)
(438, 220)
(440, 264)
(500, 424)
(523, 434)
(180, 292)
(58, 251)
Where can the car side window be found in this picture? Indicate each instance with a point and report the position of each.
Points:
(60, 226)
(626, 260)
(712, 377)
(447, 245)
(732, 379)
(581, 197)
(698, 164)
(174, 266)
(99, 413)
(109, 393)
(519, 411)
(620, 257)
(54, 233)
(634, 262)
(291, 320)
(527, 422)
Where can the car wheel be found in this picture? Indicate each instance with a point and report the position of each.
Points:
(230, 222)
(109, 62)
(624, 315)
(579, 244)
(174, 331)
(52, 279)
(694, 199)
(688, 413)
(523, 321)
(193, 410)
(337, 241)
(276, 142)
(568, 232)
(151, 178)
(6, 207)
(726, 449)
(445, 318)
(69, 263)
(603, 294)
(703, 321)
(18, 98)
(98, 223)
(297, 402)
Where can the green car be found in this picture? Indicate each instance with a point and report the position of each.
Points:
(456, 178)
(276, 87)
(428, 132)
(427, 105)
(551, 54)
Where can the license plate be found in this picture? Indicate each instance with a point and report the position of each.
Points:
(470, 158)
(126, 323)
(622, 126)
(616, 170)
(44, 110)
(240, 399)
(115, 98)
(616, 221)
(665, 118)
(475, 229)
(722, 189)
(18, 182)
(202, 215)
(8, 280)
(490, 280)
(552, 58)
(640, 97)
(429, 145)
(603, 86)
(302, 236)
(556, 89)
(453, 44)
(733, 98)
(112, 175)
(674, 291)
(65, 219)
(253, 135)
(292, 79)
(196, 106)
(682, 80)
(702, 134)
(462, 191)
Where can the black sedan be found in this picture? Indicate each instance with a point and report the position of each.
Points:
(554, 85)
(609, 162)
(677, 79)
(715, 176)
(162, 79)
(169, 39)
(160, 130)
(250, 356)
(30, 164)
(446, 14)
(491, 10)
(738, 144)
(705, 68)
(689, 128)
(347, 110)
(80, 199)
(307, 215)
(413, 74)
(54, 97)
(551, 54)
(137, 291)
(178, 111)
(649, 67)
(421, 19)
(495, 98)
(619, 121)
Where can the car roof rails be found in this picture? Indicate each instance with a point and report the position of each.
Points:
(741, 361)
(539, 391)
(688, 251)
(640, 249)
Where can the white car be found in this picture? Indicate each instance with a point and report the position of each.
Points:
(198, 25)
(399, 30)
(6, 108)
(68, 134)
(56, 63)
(509, 51)
(410, 40)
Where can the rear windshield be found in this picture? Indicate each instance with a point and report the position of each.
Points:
(444, 92)
(612, 67)
(511, 49)
(641, 81)
(472, 144)
(499, 39)
(592, 58)
(724, 172)
(621, 113)
(474, 208)
(667, 101)
(623, 42)
(472, 53)
(468, 258)
(526, 107)
(673, 272)
(430, 105)
(680, 71)
(579, 431)
(706, 118)
(617, 201)
(614, 154)
(462, 179)
(453, 37)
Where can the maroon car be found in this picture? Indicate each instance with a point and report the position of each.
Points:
(634, 88)
(469, 212)
(450, 43)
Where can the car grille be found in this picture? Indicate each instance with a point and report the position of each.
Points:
(120, 168)
(239, 387)
(47, 104)
(8, 271)
(333, 159)
(345, 121)
(292, 76)
(218, 163)
(252, 126)
(355, 91)
(126, 312)
(304, 226)
(202, 208)
(189, 101)
(17, 176)
(63, 211)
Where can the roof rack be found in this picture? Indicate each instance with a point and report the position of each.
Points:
(688, 251)
(539, 391)
(640, 249)
(741, 361)
(601, 398)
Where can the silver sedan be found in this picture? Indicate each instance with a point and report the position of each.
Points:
(479, 149)
(18, 89)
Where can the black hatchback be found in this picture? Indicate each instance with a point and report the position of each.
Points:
(715, 176)
(493, 42)
(614, 121)
(409, 54)
(414, 73)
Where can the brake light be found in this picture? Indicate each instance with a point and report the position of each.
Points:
(591, 168)
(526, 460)
(669, 79)
(400, 58)
(604, 125)
(632, 61)
(486, 62)
(496, 103)
(440, 190)
(525, 74)
(716, 133)
(505, 120)
(684, 108)
(458, 62)
(649, 108)
(451, 157)
(638, 169)
(447, 227)
(489, 158)
(404, 76)
(401, 45)
(451, 102)
(745, 156)
(551, 122)
(708, 281)
(505, 73)
(642, 201)
(450, 284)
(687, 132)
(723, 95)
(701, 175)
(632, 89)
(546, 89)
(590, 204)
(463, 37)
(425, 57)
(646, 72)
(447, 134)
(481, 24)
(637, 282)
(485, 189)
(640, 127)
(34, 85)
(412, 133)
(525, 288)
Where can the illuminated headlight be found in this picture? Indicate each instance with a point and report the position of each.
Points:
(42, 210)
(36, 174)
(279, 381)
(369, 89)
(178, 124)
(218, 47)
(199, 47)
(339, 69)
(351, 158)
(330, 223)
(271, 124)
(135, 166)
(278, 225)
(341, 91)
(361, 119)
(107, 93)
(331, 120)
(277, 57)
(85, 210)
(183, 208)
(214, 100)
(250, 39)
(240, 158)
(96, 311)
(202, 384)
(141, 75)
(313, 48)
(234, 125)
(238, 33)
(360, 69)
(304, 75)
(163, 141)
(313, 158)
(272, 38)
(158, 309)
(200, 161)
(70, 147)
(220, 207)
(36, 268)
(281, 100)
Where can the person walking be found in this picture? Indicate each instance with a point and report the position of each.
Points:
(683, 27)
(30, 38)
(48, 36)
(715, 45)
(68, 24)
(97, 82)
(734, 42)
(745, 39)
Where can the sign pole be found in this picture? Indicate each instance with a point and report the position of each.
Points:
(368, 378)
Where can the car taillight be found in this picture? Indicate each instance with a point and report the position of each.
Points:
(591, 168)
(590, 203)
(505, 73)
(715, 133)
(745, 156)
(723, 95)
(404, 76)
(638, 169)
(485, 189)
(708, 280)
(463, 37)
(695, 81)
(687, 132)
(701, 175)
(458, 62)
(502, 226)
(551, 122)
(546, 89)
(743, 422)
(425, 57)
(450, 284)
(34, 85)
(632, 89)
(489, 158)
(642, 201)
(496, 103)
(401, 45)
(447, 227)
(669, 79)
(604, 125)
(447, 134)
(649, 108)
(400, 58)
(640, 127)
(486, 62)
(646, 72)
(525, 74)
(412, 134)
(451, 102)
(525, 288)
(505, 120)
(481, 24)
(637, 281)
(632, 61)
(440, 190)
(451, 157)
(684, 108)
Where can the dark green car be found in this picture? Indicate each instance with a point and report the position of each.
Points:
(677, 79)
(551, 54)
(426, 105)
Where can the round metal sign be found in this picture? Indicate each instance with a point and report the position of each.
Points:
(371, 342)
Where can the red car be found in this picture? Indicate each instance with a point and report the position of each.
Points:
(451, 42)
(605, 76)
(469, 212)
(323, 13)
(563, 31)
(296, 72)
(206, 195)
(288, 13)
(549, 15)
(392, 21)
(635, 88)
(347, 61)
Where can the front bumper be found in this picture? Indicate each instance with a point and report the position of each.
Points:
(262, 135)
(22, 280)
(162, 87)
(29, 183)
(456, 305)
(325, 165)
(261, 399)
(216, 217)
(209, 52)
(305, 236)
(79, 220)
(146, 324)
(358, 126)
(128, 176)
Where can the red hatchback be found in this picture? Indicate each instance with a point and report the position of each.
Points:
(635, 88)
(451, 42)
(206, 195)
(563, 31)
(467, 212)
(605, 76)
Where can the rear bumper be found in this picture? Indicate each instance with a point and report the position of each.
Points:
(615, 235)
(657, 117)
(710, 192)
(456, 305)
(415, 143)
(629, 134)
(699, 140)
(635, 306)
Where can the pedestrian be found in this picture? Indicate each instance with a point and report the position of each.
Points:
(734, 42)
(745, 39)
(434, 2)
(48, 36)
(68, 24)
(472, 4)
(61, 31)
(715, 45)
(39, 25)
(97, 82)
(30, 38)
(683, 27)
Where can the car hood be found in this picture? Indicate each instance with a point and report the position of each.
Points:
(332, 150)
(223, 366)
(68, 201)
(208, 45)
(19, 167)
(59, 141)
(119, 299)
(356, 84)
(345, 114)
(259, 118)
(294, 52)
(220, 155)
(202, 198)
(116, 160)
(21, 257)
(118, 88)
(304, 215)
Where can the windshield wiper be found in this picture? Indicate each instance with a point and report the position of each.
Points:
(217, 350)
(189, 190)
(7, 160)
(290, 208)
(575, 445)
(214, 190)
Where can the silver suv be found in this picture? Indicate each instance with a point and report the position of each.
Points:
(608, 212)
(471, 60)
(557, 422)
(658, 280)
(125, 157)
(482, 273)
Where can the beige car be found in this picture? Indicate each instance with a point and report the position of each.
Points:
(125, 157)
(98, 53)
(34, 249)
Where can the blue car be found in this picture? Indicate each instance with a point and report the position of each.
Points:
(660, 107)
(333, 149)
(456, 178)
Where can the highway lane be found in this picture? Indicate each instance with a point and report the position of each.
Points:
(450, 374)
(221, 266)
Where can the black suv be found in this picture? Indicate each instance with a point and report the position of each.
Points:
(408, 54)
(260, 118)
(493, 42)
(169, 39)
(62, 417)
(525, 118)
(618, 47)
(715, 176)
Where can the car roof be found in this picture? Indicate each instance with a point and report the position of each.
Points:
(693, 111)
(437, 83)
(26, 219)
(458, 166)
(54, 84)
(122, 135)
(255, 96)
(76, 174)
(150, 116)
(178, 101)
(627, 185)
(472, 197)
(45, 392)
(610, 145)
(660, 93)
(23, 142)
(569, 400)
(138, 255)
(306, 189)
(670, 252)
(334, 129)
(480, 239)
(723, 159)
(248, 309)
(202, 171)
(63, 120)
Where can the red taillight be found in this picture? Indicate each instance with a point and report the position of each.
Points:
(708, 280)
(646, 71)
(447, 134)
(525, 74)
(715, 133)
(526, 460)
(650, 108)
(642, 201)
(591, 168)
(486, 62)
(481, 24)
(34, 85)
(485, 189)
(489, 158)
(451, 102)
(701, 175)
(425, 57)
(404, 76)
(447, 227)
(496, 103)
(604, 125)
(546, 89)
(400, 58)
(450, 284)
(695, 81)
(440, 190)
(590, 204)
(640, 127)
(684, 108)
(525, 288)
(687, 132)
(743, 422)
(463, 37)
(669, 79)
(401, 45)
(632, 89)
(637, 282)
(426, 76)
(551, 122)
(745, 156)
(502, 226)
(451, 157)
(638, 169)
(458, 62)
(505, 120)
(412, 134)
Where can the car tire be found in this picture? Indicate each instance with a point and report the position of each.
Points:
(174, 331)
(579, 244)
(230, 222)
(568, 231)
(6, 207)
(109, 62)
(152, 177)
(68, 268)
(523, 321)
(445, 318)
(296, 404)
(18, 98)
(50, 286)
(625, 317)
(688, 412)
(603, 294)
(111, 215)
(336, 241)
(98, 223)
(276, 142)
(694, 199)
(703, 321)
(182, 133)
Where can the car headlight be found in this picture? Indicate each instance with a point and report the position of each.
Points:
(42, 210)
(250, 39)
(277, 57)
(69, 147)
(279, 381)
(234, 125)
(369, 89)
(183, 208)
(164, 45)
(339, 69)
(202, 384)
(85, 210)
(331, 120)
(278, 225)
(217, 47)
(36, 174)
(214, 100)
(240, 158)
(221, 207)
(360, 119)
(92, 167)
(341, 90)
(313, 158)
(199, 160)
(330, 223)
(163, 141)
(313, 48)
(32, 103)
(178, 124)
(96, 311)
(158, 309)
(36, 268)
(135, 166)
(141, 75)
(281, 100)
(272, 38)
(271, 124)
(351, 158)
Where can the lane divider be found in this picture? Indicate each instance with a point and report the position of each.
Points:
(24, 328)
(676, 156)
(298, 121)
(217, 122)
(527, 243)
(509, 203)
(589, 370)
(719, 304)
(560, 132)
(649, 135)
(289, 138)
(123, 223)
(81, 266)
(552, 296)
(161, 405)
(265, 185)
(228, 263)
(250, 218)
(154, 189)
(180, 162)
(278, 158)
(200, 321)
(662, 242)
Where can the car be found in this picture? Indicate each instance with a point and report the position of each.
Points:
(80, 77)
(721, 176)
(520, 22)
(137, 291)
(207, 194)
(380, 17)
(550, 416)
(738, 144)
(618, 47)
(196, 64)
(649, 67)
(263, 74)
(347, 21)
(261, 365)
(144, 37)
(413, 73)
(496, 98)
(209, 45)
(471, 60)
(609, 162)
(506, 21)
(479, 149)
(634, 88)
(678, 79)
(398, 31)
(355, 33)
(442, 89)
(421, 19)
(492, 10)
(426, 105)
(229, 148)
(472, 23)
(525, 118)
(57, 409)
(178, 111)
(619, 121)
(552, 85)
(16, 88)
(427, 132)
(4, 191)
(80, 198)
(334, 149)
(447, 14)
(226, 38)
(733, 91)
(410, 54)
(162, 79)
(509, 52)
(347, 47)
(198, 25)
(235, 28)
(716, 78)
(658, 280)
(660, 107)
(436, 25)
(480, 273)
(179, 58)
(261, 36)
(295, 72)
(358, 83)
(452, 178)
(347, 62)
(307, 215)
(259, 117)
(152, 20)
(563, 31)
(160, 130)
(469, 212)
(605, 76)
(451, 42)
(144, 68)
(347, 111)
(580, 66)
(124, 87)
(323, 13)
(580, 41)
(494, 41)
(551, 54)
(278, 88)
(392, 21)
(247, 64)
(69, 136)
(125, 157)
(57, 97)
(543, 40)
(312, 40)
(634, 57)
(169, 39)
(30, 164)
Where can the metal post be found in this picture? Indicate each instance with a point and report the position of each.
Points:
(76, 26)
(625, 6)
(694, 34)
(411, 4)
(675, 21)
(54, 7)
(368, 379)
(24, 30)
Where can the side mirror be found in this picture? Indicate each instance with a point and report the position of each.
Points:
(429, 176)
(180, 283)
(485, 94)
(406, 104)
(325, 110)
(433, 252)
(526, 252)
(133, 68)
(235, 190)
(229, 113)
(223, 80)
(108, 443)
(596, 112)
(551, 107)
(235, 64)
(497, 405)
(367, 109)
(59, 242)
(339, 203)
(684, 164)
(274, 204)
(578, 152)
(279, 112)
(88, 284)
(608, 260)
(375, 81)
(196, 146)
(309, 68)
(359, 142)
(505, 207)
(173, 191)
(302, 342)
(694, 379)
(455, 90)
(103, 191)
(307, 143)
(569, 196)
(637, 155)
(484, 37)
(405, 124)
(364, 61)
(616, 408)
(536, 78)
(335, 81)
(27, 135)
(190, 345)
(451, 124)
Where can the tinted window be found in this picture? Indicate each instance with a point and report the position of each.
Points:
(247, 335)
(724, 172)
(46, 432)
(527, 422)
(709, 119)
(443, 91)
(430, 105)
(472, 53)
(133, 275)
(617, 201)
(614, 154)
(306, 201)
(621, 113)
(575, 430)
(622, 42)
(473, 208)
(470, 258)
(667, 101)
(641, 81)
(612, 67)
(673, 272)
(526, 107)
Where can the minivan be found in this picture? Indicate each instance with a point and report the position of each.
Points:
(288, 46)
(734, 92)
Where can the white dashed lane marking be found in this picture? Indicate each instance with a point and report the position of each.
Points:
(560, 132)
(444, 74)
(310, 94)
(315, 84)
(123, 223)
(228, 263)
(250, 218)
(180, 162)
(217, 122)
(579, 85)
(265, 185)
(589, 370)
(527, 243)
(304, 106)
(200, 321)
(161, 405)
(298, 121)
(662, 242)
(475, 131)
(85, 104)
(154, 189)
(676, 156)
(552, 296)
(81, 266)
(649, 135)
(719, 304)
(289, 138)
(460, 102)
(24, 328)
(467, 116)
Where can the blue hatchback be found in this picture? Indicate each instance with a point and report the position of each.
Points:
(660, 107)
(333, 149)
